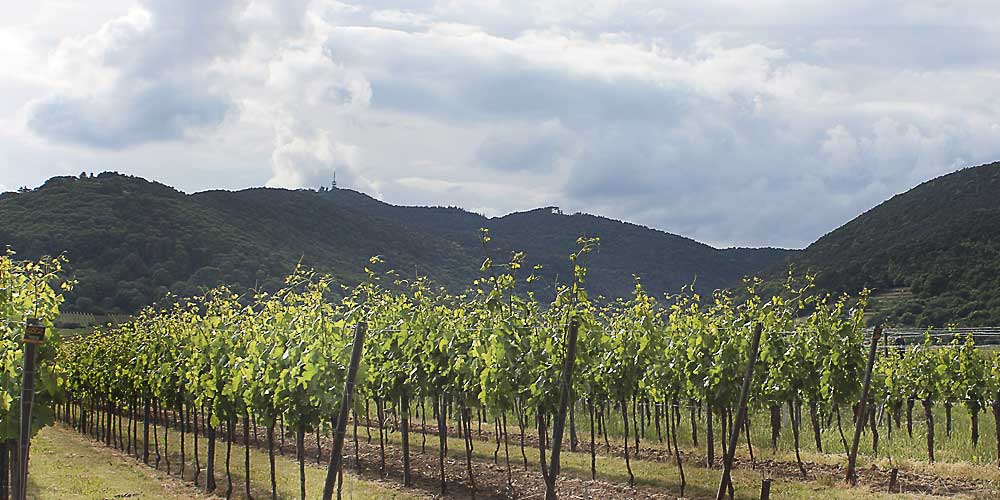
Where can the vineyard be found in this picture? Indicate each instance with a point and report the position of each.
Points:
(657, 379)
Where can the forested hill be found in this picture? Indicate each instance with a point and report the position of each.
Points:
(932, 254)
(130, 241)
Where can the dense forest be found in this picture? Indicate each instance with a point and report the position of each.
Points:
(931, 255)
(933, 252)
(129, 241)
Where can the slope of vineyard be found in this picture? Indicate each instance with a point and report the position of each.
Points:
(129, 241)
(941, 239)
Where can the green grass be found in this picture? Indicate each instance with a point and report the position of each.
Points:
(956, 455)
(68, 465)
(956, 449)
(65, 466)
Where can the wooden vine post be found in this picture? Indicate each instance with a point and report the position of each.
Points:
(564, 402)
(741, 412)
(852, 477)
(336, 454)
(765, 489)
(34, 334)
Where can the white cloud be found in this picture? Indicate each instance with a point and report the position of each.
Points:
(142, 77)
(805, 113)
(316, 161)
(837, 46)
(403, 18)
(841, 148)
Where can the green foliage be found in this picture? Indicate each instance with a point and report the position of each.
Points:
(28, 290)
(941, 240)
(131, 241)
(285, 354)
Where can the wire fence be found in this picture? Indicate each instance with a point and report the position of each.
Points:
(984, 337)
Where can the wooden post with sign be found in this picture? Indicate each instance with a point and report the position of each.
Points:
(34, 334)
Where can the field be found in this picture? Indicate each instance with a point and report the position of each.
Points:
(66, 464)
(493, 394)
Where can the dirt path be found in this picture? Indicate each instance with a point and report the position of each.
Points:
(491, 480)
(874, 477)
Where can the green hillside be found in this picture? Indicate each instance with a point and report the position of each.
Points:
(939, 242)
(130, 241)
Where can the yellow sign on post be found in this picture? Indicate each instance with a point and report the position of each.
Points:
(34, 332)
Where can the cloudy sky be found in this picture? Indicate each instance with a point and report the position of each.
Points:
(733, 122)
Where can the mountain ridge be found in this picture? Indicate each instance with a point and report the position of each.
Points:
(130, 240)
(938, 242)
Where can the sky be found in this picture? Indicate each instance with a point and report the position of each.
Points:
(733, 122)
